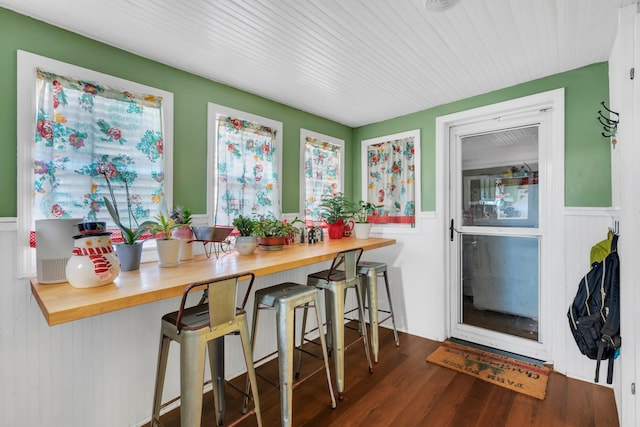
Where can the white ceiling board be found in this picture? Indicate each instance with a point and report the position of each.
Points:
(355, 61)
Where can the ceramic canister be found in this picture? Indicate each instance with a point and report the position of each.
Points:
(93, 262)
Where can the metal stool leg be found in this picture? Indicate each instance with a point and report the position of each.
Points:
(251, 373)
(393, 317)
(325, 354)
(192, 355)
(285, 331)
(163, 355)
(216, 363)
(371, 290)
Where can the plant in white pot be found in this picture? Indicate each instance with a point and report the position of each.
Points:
(168, 248)
(182, 218)
(361, 212)
(246, 242)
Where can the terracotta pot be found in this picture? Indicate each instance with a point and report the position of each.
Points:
(271, 241)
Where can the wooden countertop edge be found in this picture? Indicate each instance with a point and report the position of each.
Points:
(140, 297)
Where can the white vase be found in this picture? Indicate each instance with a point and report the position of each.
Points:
(362, 230)
(168, 252)
(245, 245)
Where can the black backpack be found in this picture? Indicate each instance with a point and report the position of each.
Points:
(594, 315)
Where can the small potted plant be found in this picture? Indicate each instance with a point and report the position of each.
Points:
(334, 208)
(168, 248)
(130, 250)
(273, 233)
(246, 242)
(361, 212)
(182, 218)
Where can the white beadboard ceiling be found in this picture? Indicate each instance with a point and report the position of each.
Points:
(352, 61)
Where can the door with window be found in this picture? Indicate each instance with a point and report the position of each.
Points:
(496, 232)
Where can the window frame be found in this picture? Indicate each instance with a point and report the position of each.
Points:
(27, 64)
(304, 133)
(213, 110)
(364, 168)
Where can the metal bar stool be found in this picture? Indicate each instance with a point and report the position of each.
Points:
(341, 276)
(370, 271)
(285, 298)
(196, 329)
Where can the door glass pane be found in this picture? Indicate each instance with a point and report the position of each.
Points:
(500, 282)
(500, 179)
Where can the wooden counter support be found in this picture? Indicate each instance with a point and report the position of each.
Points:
(62, 303)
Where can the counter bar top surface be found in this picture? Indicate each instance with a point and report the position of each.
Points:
(62, 303)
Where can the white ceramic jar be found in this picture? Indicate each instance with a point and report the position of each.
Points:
(93, 262)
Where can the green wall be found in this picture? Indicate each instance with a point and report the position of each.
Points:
(191, 95)
(587, 153)
(587, 156)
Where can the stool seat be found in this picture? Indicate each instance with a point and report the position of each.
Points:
(370, 271)
(285, 298)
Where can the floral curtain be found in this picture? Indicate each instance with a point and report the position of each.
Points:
(85, 130)
(248, 180)
(391, 180)
(321, 174)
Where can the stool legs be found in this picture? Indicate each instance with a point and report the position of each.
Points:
(285, 322)
(216, 363)
(334, 299)
(370, 280)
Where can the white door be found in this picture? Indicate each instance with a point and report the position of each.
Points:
(497, 174)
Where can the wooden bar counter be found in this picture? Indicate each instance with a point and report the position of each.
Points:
(62, 303)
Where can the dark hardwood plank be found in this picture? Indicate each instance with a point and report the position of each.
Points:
(405, 390)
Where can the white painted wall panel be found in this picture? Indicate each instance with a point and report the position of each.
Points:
(100, 371)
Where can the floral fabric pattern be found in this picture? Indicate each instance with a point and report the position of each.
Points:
(248, 179)
(321, 174)
(391, 180)
(84, 127)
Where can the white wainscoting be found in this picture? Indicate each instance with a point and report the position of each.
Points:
(100, 371)
(584, 227)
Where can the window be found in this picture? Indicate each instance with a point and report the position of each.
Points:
(244, 154)
(75, 123)
(322, 159)
(391, 176)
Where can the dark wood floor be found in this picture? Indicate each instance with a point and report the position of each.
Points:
(405, 390)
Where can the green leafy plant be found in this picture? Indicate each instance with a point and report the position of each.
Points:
(244, 225)
(271, 227)
(164, 224)
(334, 207)
(129, 234)
(181, 216)
(362, 210)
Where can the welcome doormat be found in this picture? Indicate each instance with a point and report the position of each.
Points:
(507, 372)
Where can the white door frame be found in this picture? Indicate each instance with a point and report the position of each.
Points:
(553, 276)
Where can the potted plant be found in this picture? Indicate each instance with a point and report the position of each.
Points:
(182, 218)
(246, 242)
(334, 208)
(361, 212)
(273, 233)
(130, 250)
(168, 248)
